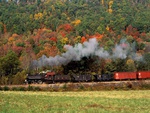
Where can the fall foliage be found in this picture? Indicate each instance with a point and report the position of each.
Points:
(31, 29)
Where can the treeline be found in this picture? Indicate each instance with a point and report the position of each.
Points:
(23, 16)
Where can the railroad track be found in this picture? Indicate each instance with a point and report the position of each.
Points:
(106, 83)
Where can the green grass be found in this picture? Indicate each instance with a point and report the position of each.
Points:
(75, 102)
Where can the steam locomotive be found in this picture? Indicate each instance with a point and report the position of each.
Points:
(52, 77)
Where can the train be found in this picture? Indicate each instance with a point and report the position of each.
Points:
(52, 77)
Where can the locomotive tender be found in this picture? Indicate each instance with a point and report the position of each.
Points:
(52, 77)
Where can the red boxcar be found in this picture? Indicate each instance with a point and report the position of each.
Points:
(143, 74)
(125, 75)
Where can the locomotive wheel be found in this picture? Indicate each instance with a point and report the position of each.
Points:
(40, 81)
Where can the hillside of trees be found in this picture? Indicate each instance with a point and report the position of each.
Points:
(30, 29)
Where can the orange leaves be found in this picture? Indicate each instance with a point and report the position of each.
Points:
(3, 26)
(11, 39)
(83, 39)
(48, 51)
(15, 35)
(97, 36)
(5, 29)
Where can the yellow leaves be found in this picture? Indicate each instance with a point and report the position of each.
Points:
(44, 13)
(110, 3)
(47, 2)
(110, 6)
(93, 73)
(107, 28)
(130, 61)
(122, 19)
(64, 40)
(110, 11)
(31, 17)
(68, 18)
(77, 39)
(38, 16)
(53, 8)
(76, 22)
(131, 65)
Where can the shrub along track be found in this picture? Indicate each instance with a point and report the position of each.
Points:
(111, 85)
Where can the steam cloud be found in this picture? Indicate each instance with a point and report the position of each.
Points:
(88, 48)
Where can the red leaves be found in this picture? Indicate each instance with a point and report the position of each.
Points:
(17, 49)
(135, 33)
(63, 33)
(132, 31)
(54, 39)
(65, 27)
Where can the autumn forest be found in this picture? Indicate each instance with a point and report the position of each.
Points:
(30, 29)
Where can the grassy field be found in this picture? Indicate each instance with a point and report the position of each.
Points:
(133, 101)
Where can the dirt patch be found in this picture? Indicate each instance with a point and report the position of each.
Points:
(109, 108)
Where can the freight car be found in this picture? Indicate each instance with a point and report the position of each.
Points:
(143, 74)
(52, 77)
(132, 75)
(68, 78)
(125, 75)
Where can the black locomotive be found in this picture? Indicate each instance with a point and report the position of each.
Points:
(51, 77)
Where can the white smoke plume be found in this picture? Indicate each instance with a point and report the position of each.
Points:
(87, 49)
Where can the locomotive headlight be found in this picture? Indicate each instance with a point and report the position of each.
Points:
(139, 73)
